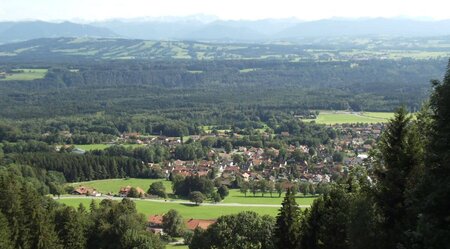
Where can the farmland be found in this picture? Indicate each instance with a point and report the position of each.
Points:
(235, 202)
(342, 117)
(237, 197)
(187, 211)
(88, 147)
(25, 74)
(113, 185)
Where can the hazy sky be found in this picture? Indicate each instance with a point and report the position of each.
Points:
(224, 9)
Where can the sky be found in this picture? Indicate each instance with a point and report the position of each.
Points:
(97, 10)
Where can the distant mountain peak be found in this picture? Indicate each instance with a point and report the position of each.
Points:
(22, 31)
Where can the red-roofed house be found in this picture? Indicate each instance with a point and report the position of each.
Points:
(192, 224)
(155, 224)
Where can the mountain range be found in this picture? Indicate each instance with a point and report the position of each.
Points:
(201, 29)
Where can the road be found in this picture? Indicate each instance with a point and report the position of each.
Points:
(174, 201)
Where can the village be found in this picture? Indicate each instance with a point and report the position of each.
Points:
(318, 166)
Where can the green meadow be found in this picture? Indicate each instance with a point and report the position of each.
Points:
(26, 74)
(187, 211)
(176, 246)
(113, 185)
(330, 118)
(88, 147)
(235, 196)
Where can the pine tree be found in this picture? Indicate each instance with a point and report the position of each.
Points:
(325, 225)
(287, 230)
(433, 230)
(5, 234)
(70, 227)
(399, 157)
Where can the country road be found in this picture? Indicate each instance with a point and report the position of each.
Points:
(175, 201)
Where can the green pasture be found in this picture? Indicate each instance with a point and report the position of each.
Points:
(88, 147)
(169, 246)
(26, 74)
(187, 211)
(113, 185)
(247, 70)
(330, 118)
(235, 196)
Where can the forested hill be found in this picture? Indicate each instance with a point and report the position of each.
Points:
(201, 88)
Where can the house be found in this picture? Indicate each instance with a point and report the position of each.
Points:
(124, 191)
(155, 224)
(192, 224)
(82, 190)
(246, 176)
(155, 220)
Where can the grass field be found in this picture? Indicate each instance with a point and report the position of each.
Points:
(247, 70)
(88, 147)
(26, 74)
(187, 211)
(237, 197)
(177, 247)
(328, 117)
(113, 185)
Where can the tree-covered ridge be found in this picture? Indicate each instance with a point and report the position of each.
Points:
(218, 89)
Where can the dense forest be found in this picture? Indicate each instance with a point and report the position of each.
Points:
(211, 91)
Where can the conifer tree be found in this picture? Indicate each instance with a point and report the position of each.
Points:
(5, 234)
(287, 230)
(433, 229)
(399, 157)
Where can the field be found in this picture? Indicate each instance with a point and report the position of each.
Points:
(177, 247)
(88, 147)
(26, 74)
(341, 117)
(237, 197)
(113, 185)
(187, 211)
(237, 201)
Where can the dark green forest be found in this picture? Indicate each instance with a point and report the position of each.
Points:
(210, 91)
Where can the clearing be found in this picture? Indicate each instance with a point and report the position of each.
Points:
(88, 147)
(25, 74)
(343, 117)
(113, 185)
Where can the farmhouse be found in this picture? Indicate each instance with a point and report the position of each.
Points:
(124, 191)
(85, 191)
(192, 224)
(155, 224)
